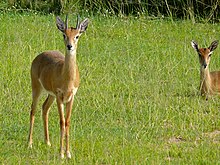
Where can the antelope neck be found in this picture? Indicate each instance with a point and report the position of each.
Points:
(205, 77)
(69, 69)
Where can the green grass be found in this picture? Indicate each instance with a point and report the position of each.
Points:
(138, 101)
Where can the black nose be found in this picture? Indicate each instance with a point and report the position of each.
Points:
(69, 47)
(205, 65)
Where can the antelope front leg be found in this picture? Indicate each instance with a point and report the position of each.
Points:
(68, 115)
(60, 106)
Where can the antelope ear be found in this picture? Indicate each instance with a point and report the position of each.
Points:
(83, 25)
(60, 24)
(195, 45)
(213, 46)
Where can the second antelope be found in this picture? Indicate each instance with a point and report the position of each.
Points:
(59, 77)
(209, 81)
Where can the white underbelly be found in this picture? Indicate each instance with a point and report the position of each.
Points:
(47, 91)
(60, 92)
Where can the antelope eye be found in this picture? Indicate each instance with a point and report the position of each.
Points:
(77, 37)
(64, 36)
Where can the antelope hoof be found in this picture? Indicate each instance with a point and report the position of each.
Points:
(48, 143)
(68, 155)
(61, 155)
(30, 145)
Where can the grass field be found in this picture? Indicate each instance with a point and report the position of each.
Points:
(138, 101)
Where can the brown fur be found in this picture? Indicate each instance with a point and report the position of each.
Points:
(58, 75)
(209, 81)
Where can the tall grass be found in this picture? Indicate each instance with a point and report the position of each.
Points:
(206, 9)
(138, 101)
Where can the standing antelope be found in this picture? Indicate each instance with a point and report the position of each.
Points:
(209, 81)
(59, 77)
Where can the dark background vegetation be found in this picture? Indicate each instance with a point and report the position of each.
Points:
(187, 9)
